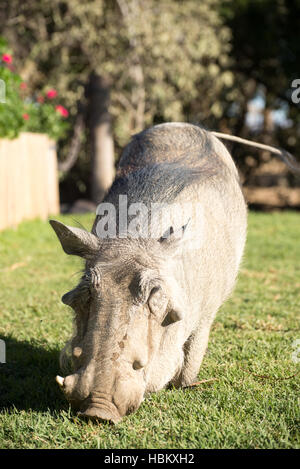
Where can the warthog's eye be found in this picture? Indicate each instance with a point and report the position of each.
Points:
(93, 277)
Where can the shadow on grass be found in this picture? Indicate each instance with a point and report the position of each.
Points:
(27, 379)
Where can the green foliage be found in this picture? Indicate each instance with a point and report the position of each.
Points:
(162, 58)
(20, 113)
(254, 402)
(11, 120)
(165, 60)
(44, 118)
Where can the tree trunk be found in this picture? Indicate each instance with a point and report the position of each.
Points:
(102, 148)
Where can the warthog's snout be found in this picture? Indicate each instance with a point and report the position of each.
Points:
(98, 405)
(96, 413)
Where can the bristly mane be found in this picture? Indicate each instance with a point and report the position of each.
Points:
(160, 182)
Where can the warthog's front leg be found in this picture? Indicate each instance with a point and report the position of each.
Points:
(194, 351)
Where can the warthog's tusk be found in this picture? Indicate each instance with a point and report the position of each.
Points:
(60, 380)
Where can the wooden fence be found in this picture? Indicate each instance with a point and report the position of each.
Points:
(28, 179)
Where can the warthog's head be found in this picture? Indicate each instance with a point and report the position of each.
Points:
(127, 313)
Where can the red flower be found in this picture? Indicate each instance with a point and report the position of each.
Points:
(62, 110)
(7, 58)
(40, 99)
(23, 85)
(25, 116)
(51, 94)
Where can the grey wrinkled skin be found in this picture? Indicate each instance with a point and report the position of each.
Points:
(144, 307)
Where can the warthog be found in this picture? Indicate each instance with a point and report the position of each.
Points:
(150, 290)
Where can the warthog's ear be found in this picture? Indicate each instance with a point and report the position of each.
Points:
(172, 239)
(76, 241)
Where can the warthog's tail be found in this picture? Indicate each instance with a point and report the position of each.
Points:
(284, 155)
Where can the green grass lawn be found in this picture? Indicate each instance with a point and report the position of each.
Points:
(254, 401)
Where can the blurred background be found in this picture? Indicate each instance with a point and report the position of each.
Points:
(92, 73)
(77, 79)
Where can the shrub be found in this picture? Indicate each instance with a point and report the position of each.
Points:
(19, 112)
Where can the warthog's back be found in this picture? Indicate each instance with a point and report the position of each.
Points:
(164, 161)
(187, 144)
